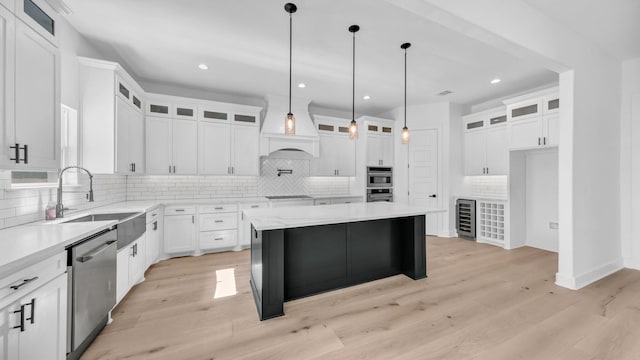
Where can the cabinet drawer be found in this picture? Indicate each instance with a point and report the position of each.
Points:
(322, 202)
(352, 200)
(248, 206)
(210, 240)
(223, 221)
(22, 282)
(153, 215)
(211, 209)
(180, 210)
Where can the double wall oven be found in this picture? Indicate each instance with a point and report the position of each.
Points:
(379, 184)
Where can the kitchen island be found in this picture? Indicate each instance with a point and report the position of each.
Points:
(301, 251)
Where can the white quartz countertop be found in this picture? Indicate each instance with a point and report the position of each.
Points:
(24, 245)
(293, 217)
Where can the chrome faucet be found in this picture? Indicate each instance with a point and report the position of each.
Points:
(59, 207)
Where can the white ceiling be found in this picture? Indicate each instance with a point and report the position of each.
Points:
(613, 25)
(245, 45)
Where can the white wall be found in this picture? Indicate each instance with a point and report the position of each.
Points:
(541, 198)
(630, 163)
(590, 86)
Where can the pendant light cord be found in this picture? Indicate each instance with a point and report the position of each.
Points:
(290, 55)
(353, 83)
(405, 88)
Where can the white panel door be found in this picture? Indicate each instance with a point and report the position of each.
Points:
(346, 156)
(158, 146)
(179, 234)
(474, 152)
(185, 147)
(423, 175)
(123, 118)
(136, 140)
(37, 98)
(551, 129)
(45, 338)
(214, 156)
(138, 262)
(246, 150)
(7, 89)
(525, 134)
(122, 273)
(497, 151)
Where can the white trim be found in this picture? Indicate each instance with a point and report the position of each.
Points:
(580, 281)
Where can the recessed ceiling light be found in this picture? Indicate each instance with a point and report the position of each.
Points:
(366, 97)
(302, 85)
(203, 67)
(495, 81)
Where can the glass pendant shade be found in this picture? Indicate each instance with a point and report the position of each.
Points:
(353, 130)
(290, 124)
(405, 135)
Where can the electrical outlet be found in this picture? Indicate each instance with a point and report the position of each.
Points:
(553, 225)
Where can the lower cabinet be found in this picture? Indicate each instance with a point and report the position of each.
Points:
(179, 229)
(131, 264)
(33, 315)
(218, 227)
(244, 226)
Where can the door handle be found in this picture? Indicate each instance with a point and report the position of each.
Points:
(16, 150)
(33, 310)
(90, 255)
(21, 325)
(169, 169)
(174, 169)
(26, 154)
(538, 141)
(544, 140)
(433, 196)
(23, 283)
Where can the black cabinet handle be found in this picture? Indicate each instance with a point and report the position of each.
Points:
(23, 283)
(545, 140)
(21, 325)
(155, 225)
(33, 311)
(169, 169)
(26, 154)
(134, 167)
(538, 141)
(174, 169)
(16, 156)
(433, 196)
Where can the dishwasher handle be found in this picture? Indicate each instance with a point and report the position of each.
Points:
(90, 255)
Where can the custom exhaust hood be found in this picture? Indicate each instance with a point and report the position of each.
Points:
(272, 134)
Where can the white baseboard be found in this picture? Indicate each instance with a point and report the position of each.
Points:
(448, 234)
(580, 281)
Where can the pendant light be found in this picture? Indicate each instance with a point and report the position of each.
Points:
(290, 120)
(405, 129)
(353, 127)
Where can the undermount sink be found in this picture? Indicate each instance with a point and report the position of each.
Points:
(102, 217)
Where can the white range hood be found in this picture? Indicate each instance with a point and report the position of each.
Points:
(272, 137)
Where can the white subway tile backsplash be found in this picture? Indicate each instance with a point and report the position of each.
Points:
(487, 186)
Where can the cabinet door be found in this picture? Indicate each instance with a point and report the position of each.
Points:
(246, 150)
(7, 73)
(45, 337)
(215, 149)
(524, 134)
(550, 129)
(185, 147)
(326, 163)
(179, 234)
(346, 156)
(474, 152)
(37, 98)
(386, 149)
(374, 142)
(123, 118)
(9, 337)
(138, 260)
(136, 141)
(158, 140)
(497, 153)
(152, 246)
(122, 273)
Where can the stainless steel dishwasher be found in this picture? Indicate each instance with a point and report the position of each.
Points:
(92, 289)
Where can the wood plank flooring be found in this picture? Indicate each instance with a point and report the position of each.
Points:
(479, 302)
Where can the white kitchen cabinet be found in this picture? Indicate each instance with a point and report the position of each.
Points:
(171, 146)
(112, 119)
(214, 156)
(533, 120)
(491, 222)
(30, 110)
(131, 263)
(179, 230)
(486, 143)
(245, 156)
(497, 150)
(475, 143)
(337, 156)
(152, 249)
(218, 227)
(33, 311)
(379, 138)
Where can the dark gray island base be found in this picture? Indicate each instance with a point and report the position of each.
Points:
(291, 263)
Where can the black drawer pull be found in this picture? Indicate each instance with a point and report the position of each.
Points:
(23, 283)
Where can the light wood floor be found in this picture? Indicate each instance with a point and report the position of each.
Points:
(479, 302)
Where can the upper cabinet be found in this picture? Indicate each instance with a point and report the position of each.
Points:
(29, 88)
(379, 139)
(112, 119)
(337, 151)
(533, 120)
(189, 136)
(485, 143)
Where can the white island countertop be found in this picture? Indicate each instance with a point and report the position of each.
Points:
(295, 217)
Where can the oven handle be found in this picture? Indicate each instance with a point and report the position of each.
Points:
(385, 174)
(90, 255)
